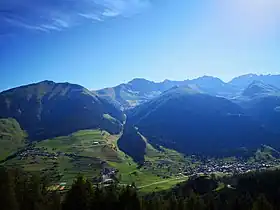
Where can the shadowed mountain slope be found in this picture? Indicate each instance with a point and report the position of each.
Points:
(49, 109)
(191, 122)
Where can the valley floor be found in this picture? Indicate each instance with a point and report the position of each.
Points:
(95, 154)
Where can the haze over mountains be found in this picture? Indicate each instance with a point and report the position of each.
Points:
(188, 116)
(138, 91)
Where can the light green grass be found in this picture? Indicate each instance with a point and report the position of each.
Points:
(89, 143)
(158, 166)
(83, 143)
(129, 172)
(90, 148)
(62, 169)
(109, 117)
(12, 137)
(163, 185)
(220, 186)
(163, 162)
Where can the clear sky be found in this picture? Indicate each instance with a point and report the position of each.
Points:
(101, 43)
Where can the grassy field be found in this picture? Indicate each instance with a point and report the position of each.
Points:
(164, 162)
(88, 143)
(12, 137)
(7, 148)
(61, 169)
(90, 147)
(129, 172)
(87, 152)
(162, 185)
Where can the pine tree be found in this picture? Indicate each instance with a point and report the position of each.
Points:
(194, 202)
(7, 191)
(79, 197)
(181, 204)
(262, 203)
(173, 203)
(129, 199)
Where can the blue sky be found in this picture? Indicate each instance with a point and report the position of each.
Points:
(101, 43)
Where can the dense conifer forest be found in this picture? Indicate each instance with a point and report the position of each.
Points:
(20, 190)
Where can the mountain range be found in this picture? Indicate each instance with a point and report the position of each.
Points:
(139, 90)
(188, 116)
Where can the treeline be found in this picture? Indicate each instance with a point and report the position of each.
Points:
(20, 190)
(256, 191)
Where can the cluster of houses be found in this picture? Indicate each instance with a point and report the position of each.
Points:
(206, 166)
(237, 167)
(108, 175)
(35, 152)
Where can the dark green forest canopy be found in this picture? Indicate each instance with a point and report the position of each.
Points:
(253, 191)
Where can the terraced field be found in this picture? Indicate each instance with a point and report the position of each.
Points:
(88, 152)
(87, 143)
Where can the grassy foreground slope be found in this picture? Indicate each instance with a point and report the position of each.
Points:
(87, 143)
(12, 137)
(89, 152)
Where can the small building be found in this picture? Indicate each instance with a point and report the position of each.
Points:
(62, 188)
(108, 181)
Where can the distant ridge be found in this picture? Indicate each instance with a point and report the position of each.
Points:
(258, 88)
(140, 90)
(245, 80)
